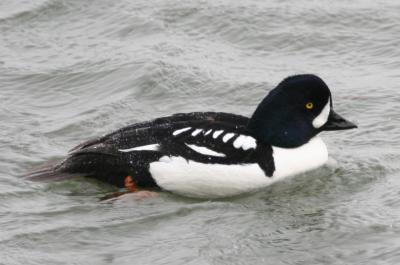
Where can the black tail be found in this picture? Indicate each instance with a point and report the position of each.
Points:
(48, 172)
(107, 167)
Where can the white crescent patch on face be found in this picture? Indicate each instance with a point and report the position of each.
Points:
(322, 118)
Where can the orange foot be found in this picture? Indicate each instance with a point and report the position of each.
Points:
(130, 185)
(139, 194)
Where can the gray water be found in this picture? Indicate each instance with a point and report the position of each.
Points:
(71, 70)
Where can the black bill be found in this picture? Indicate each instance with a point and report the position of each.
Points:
(336, 122)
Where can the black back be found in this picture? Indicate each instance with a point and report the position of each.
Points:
(102, 157)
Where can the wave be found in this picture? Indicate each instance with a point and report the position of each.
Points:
(11, 11)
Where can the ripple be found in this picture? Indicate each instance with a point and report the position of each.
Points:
(12, 11)
(71, 70)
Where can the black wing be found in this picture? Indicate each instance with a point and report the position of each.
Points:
(216, 143)
(102, 158)
(199, 130)
(150, 132)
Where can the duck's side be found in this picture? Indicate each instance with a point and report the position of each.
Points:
(215, 154)
(180, 154)
(130, 150)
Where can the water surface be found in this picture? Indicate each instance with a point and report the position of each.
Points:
(71, 70)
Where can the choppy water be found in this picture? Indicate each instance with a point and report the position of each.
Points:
(72, 69)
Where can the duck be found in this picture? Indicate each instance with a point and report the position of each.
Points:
(214, 154)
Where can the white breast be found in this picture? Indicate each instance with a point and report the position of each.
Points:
(291, 161)
(201, 180)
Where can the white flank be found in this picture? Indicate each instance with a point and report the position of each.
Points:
(205, 151)
(291, 161)
(199, 180)
(149, 147)
(208, 132)
(245, 142)
(196, 132)
(322, 118)
(227, 137)
(217, 133)
(175, 133)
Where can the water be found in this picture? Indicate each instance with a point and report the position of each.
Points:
(71, 70)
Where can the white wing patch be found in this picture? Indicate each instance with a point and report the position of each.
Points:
(196, 132)
(322, 118)
(149, 147)
(245, 142)
(177, 132)
(205, 151)
(217, 133)
(227, 137)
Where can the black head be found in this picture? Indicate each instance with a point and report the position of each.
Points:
(295, 111)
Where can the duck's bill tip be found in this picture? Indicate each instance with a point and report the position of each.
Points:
(336, 122)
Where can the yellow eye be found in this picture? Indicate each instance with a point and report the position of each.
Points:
(309, 105)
